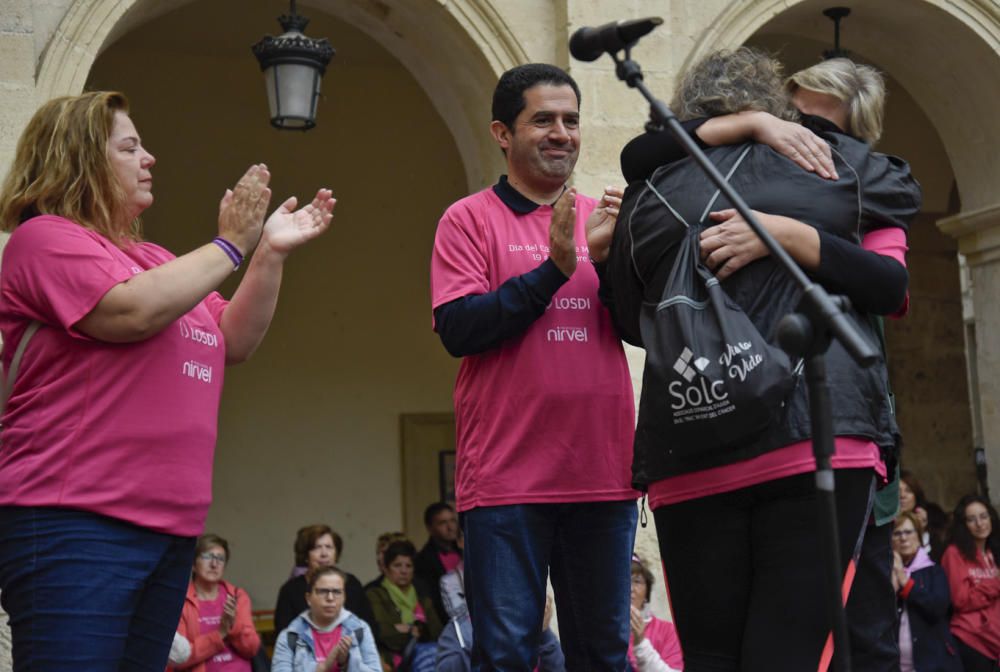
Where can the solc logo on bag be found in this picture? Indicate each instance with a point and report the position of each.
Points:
(696, 397)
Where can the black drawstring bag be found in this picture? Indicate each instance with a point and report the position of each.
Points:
(712, 382)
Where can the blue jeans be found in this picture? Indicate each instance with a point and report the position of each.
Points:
(87, 592)
(508, 553)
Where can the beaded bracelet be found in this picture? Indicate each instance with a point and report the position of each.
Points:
(231, 251)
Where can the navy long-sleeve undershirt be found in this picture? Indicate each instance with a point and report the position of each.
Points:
(476, 323)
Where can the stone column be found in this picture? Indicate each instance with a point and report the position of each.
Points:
(978, 234)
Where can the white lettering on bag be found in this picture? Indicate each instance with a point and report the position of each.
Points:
(696, 394)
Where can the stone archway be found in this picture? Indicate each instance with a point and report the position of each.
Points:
(944, 53)
(455, 50)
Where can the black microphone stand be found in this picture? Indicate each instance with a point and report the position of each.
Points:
(806, 333)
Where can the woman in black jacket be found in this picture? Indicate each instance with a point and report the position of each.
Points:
(925, 641)
(737, 526)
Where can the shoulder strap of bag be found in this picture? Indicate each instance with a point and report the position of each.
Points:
(15, 364)
(711, 201)
(292, 638)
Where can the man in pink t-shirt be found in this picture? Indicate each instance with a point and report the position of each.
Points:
(543, 400)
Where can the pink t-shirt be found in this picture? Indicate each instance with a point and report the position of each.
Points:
(663, 638)
(548, 416)
(209, 617)
(450, 560)
(794, 459)
(123, 430)
(327, 642)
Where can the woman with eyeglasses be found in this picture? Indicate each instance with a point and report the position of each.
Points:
(970, 563)
(216, 618)
(924, 602)
(326, 637)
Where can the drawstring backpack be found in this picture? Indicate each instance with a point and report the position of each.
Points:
(712, 381)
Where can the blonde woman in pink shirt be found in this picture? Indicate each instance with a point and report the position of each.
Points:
(110, 426)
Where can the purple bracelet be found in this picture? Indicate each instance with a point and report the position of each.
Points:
(231, 251)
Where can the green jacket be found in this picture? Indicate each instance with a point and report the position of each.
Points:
(387, 615)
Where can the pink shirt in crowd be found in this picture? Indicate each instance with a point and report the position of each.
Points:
(797, 458)
(123, 430)
(326, 642)
(547, 416)
(450, 560)
(209, 617)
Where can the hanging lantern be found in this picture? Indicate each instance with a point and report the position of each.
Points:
(836, 14)
(293, 67)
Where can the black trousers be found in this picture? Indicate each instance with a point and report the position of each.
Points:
(744, 572)
(871, 607)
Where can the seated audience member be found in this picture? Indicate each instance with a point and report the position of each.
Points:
(933, 520)
(454, 652)
(216, 620)
(381, 544)
(408, 624)
(970, 564)
(317, 546)
(441, 553)
(452, 589)
(925, 642)
(653, 646)
(326, 637)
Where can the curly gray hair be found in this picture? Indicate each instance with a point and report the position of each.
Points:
(725, 82)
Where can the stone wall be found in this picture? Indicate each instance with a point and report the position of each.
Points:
(6, 663)
(928, 372)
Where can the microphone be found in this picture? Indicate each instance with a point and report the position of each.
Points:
(588, 44)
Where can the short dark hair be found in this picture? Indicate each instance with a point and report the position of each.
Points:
(306, 538)
(508, 96)
(960, 535)
(397, 549)
(314, 575)
(431, 512)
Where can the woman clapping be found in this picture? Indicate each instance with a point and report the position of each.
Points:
(326, 637)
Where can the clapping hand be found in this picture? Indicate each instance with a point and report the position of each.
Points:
(637, 624)
(289, 228)
(342, 650)
(228, 616)
(601, 223)
(562, 244)
(899, 577)
(242, 209)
